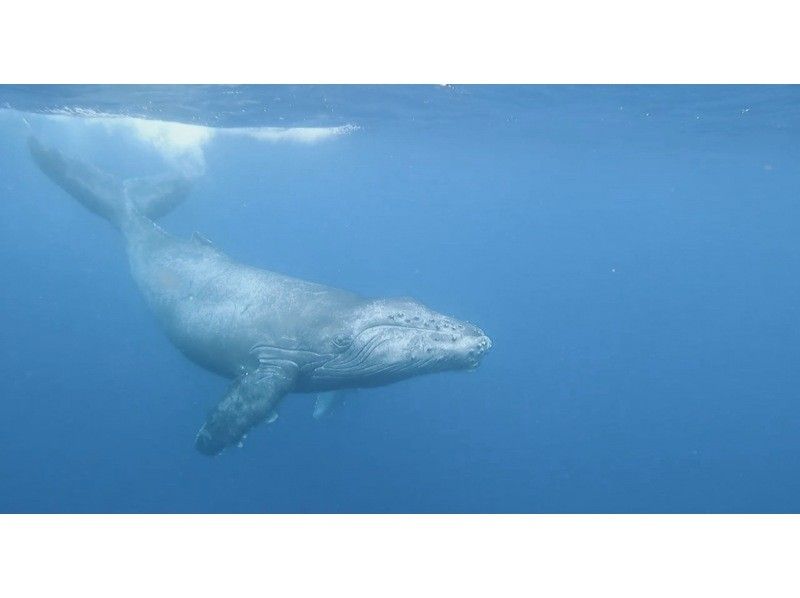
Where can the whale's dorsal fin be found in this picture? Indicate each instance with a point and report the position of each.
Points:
(251, 400)
(201, 240)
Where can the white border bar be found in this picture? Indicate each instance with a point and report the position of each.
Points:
(413, 41)
(398, 556)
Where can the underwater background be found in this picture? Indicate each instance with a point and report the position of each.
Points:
(632, 251)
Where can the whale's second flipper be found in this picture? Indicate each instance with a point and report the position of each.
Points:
(327, 403)
(106, 195)
(251, 399)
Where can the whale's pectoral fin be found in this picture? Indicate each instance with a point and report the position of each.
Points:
(328, 402)
(251, 399)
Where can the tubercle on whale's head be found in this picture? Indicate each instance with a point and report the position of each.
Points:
(392, 339)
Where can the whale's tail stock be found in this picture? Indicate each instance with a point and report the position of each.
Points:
(106, 195)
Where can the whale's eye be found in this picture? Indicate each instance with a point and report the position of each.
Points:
(342, 341)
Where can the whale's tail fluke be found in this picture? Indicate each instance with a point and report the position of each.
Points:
(106, 195)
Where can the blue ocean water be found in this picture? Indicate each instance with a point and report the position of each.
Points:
(633, 252)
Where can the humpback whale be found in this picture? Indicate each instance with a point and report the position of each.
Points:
(269, 333)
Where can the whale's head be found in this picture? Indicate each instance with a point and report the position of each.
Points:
(392, 339)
